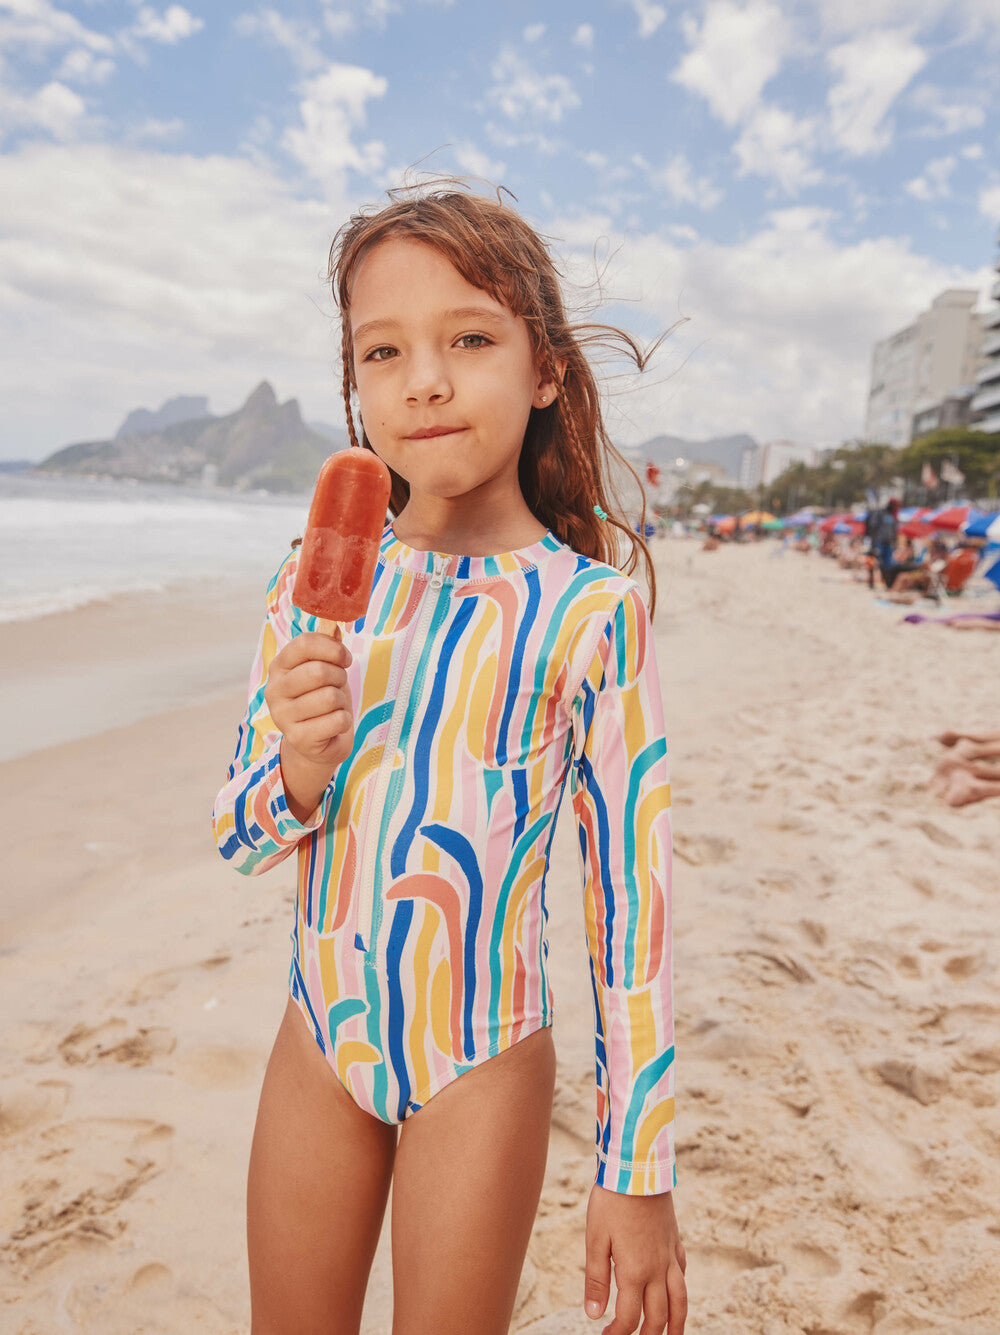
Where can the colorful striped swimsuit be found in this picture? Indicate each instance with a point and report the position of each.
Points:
(480, 686)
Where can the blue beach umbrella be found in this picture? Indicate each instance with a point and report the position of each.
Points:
(979, 524)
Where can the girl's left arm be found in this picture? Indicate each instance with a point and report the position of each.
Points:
(621, 796)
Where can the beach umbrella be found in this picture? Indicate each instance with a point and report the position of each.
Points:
(726, 524)
(993, 532)
(978, 526)
(772, 524)
(951, 518)
(754, 517)
(800, 519)
(828, 524)
(992, 564)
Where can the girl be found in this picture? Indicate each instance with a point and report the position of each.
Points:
(416, 761)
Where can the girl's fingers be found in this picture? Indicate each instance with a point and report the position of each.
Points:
(597, 1281)
(310, 676)
(677, 1295)
(656, 1309)
(314, 704)
(316, 731)
(628, 1309)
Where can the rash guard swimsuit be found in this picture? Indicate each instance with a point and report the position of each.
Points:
(481, 686)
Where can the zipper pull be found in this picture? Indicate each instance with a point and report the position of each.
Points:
(437, 579)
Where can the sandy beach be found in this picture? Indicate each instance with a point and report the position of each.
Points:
(838, 996)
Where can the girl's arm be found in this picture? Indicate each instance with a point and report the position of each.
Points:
(621, 796)
(256, 825)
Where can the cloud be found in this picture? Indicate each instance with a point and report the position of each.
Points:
(333, 106)
(519, 90)
(781, 327)
(154, 265)
(83, 66)
(38, 26)
(476, 163)
(173, 25)
(650, 16)
(973, 152)
(584, 36)
(935, 181)
(534, 32)
(989, 202)
(967, 20)
(53, 108)
(776, 144)
(677, 178)
(871, 73)
(299, 40)
(950, 112)
(734, 54)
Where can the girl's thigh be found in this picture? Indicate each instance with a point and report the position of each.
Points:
(319, 1178)
(465, 1189)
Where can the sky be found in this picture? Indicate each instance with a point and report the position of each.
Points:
(792, 179)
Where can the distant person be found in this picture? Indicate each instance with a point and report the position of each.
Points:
(970, 772)
(882, 534)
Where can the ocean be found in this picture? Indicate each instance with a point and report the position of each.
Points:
(66, 542)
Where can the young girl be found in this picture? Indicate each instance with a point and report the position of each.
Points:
(416, 761)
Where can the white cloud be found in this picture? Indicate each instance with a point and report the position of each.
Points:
(38, 26)
(678, 179)
(534, 32)
(972, 151)
(173, 25)
(733, 55)
(872, 71)
(584, 36)
(935, 183)
(54, 108)
(299, 40)
(989, 202)
(83, 66)
(156, 131)
(476, 163)
(776, 144)
(965, 19)
(781, 324)
(650, 15)
(332, 107)
(519, 90)
(154, 264)
(950, 112)
(379, 10)
(338, 22)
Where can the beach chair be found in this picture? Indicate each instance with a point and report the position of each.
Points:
(950, 576)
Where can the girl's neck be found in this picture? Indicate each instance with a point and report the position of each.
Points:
(431, 524)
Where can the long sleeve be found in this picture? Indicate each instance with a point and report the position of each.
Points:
(254, 829)
(621, 796)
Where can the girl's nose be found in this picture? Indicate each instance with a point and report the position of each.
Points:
(428, 381)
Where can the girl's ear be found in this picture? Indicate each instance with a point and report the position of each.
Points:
(548, 389)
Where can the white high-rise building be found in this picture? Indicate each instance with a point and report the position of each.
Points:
(761, 464)
(920, 364)
(985, 407)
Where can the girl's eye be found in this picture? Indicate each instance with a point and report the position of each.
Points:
(376, 354)
(478, 341)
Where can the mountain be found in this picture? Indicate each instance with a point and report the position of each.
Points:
(336, 435)
(184, 408)
(264, 444)
(724, 450)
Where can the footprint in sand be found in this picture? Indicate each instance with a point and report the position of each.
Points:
(813, 1262)
(79, 1175)
(917, 1080)
(113, 1041)
(24, 1106)
(717, 1265)
(215, 1066)
(703, 850)
(163, 982)
(773, 967)
(943, 838)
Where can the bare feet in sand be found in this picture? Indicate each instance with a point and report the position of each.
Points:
(976, 623)
(964, 787)
(967, 774)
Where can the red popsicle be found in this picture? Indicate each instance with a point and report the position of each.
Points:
(341, 544)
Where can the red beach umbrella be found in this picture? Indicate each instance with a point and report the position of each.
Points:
(950, 520)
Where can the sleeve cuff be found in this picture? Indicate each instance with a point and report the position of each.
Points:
(287, 828)
(652, 1178)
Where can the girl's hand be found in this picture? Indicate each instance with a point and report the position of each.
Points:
(638, 1233)
(309, 700)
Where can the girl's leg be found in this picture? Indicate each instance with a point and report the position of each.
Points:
(469, 1171)
(318, 1182)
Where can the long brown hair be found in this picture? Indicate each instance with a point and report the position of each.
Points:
(565, 463)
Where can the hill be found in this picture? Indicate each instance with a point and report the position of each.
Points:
(264, 444)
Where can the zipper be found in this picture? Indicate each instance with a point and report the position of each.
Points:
(365, 921)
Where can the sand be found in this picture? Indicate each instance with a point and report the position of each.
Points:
(836, 974)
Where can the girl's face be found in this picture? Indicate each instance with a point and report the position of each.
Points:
(446, 376)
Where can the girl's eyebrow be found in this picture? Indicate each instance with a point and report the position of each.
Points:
(479, 313)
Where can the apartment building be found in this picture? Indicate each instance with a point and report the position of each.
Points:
(985, 407)
(920, 365)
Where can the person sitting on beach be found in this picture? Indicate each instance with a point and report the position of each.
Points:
(969, 773)
(904, 559)
(911, 583)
